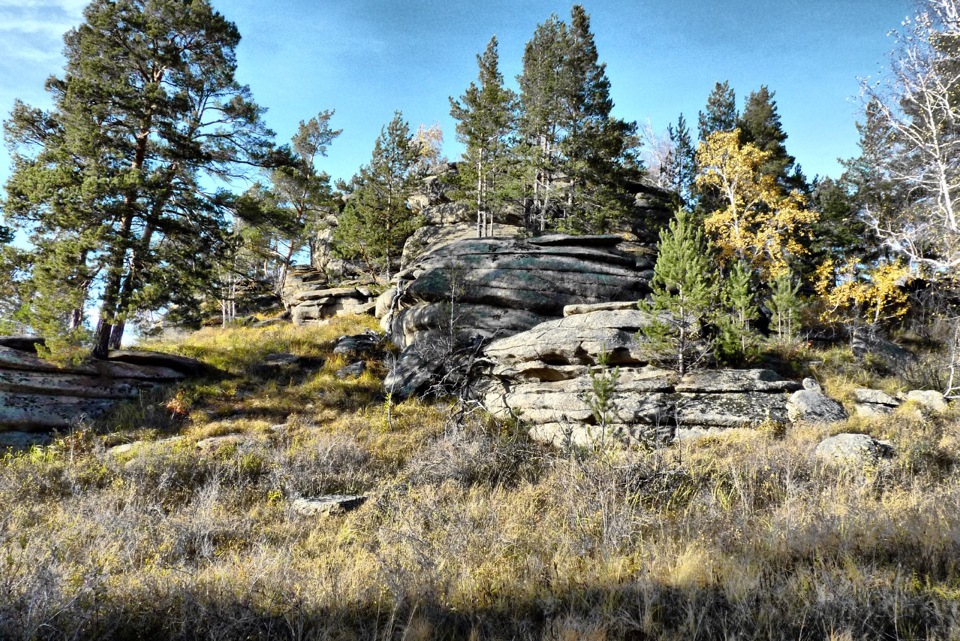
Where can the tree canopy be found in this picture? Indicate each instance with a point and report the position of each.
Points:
(114, 179)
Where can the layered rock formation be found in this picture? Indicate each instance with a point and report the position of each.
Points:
(545, 377)
(310, 300)
(499, 286)
(36, 395)
(496, 287)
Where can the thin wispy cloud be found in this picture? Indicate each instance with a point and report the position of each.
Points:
(31, 35)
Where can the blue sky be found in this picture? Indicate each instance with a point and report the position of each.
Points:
(367, 58)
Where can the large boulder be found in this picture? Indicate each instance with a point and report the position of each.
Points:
(928, 399)
(856, 450)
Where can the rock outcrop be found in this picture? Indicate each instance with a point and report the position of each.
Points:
(500, 286)
(309, 299)
(870, 403)
(544, 376)
(36, 395)
(496, 287)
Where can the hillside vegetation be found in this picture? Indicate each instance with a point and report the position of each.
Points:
(470, 531)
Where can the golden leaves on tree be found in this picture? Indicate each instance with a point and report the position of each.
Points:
(760, 222)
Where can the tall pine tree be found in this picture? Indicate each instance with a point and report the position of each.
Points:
(146, 112)
(575, 155)
(543, 88)
(760, 126)
(683, 163)
(720, 116)
(486, 115)
(721, 111)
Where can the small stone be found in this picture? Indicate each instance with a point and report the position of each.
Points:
(280, 360)
(354, 370)
(812, 384)
(125, 448)
(327, 505)
(358, 345)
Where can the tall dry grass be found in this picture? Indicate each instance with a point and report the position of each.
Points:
(470, 531)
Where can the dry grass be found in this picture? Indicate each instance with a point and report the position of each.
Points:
(470, 532)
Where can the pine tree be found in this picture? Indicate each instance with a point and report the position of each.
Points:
(721, 111)
(575, 156)
(543, 87)
(377, 220)
(486, 115)
(683, 296)
(720, 116)
(599, 150)
(683, 165)
(303, 198)
(760, 126)
(146, 110)
(738, 337)
(785, 305)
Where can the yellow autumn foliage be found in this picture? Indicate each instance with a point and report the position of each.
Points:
(873, 293)
(760, 223)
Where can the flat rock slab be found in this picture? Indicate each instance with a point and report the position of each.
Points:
(49, 412)
(733, 409)
(736, 380)
(573, 310)
(283, 361)
(327, 505)
(874, 397)
(215, 443)
(562, 435)
(81, 385)
(181, 364)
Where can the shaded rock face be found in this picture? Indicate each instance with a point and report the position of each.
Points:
(543, 376)
(496, 287)
(36, 395)
(891, 355)
(502, 286)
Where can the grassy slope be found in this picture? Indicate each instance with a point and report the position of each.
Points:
(471, 532)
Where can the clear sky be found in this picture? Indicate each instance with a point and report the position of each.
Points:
(367, 58)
